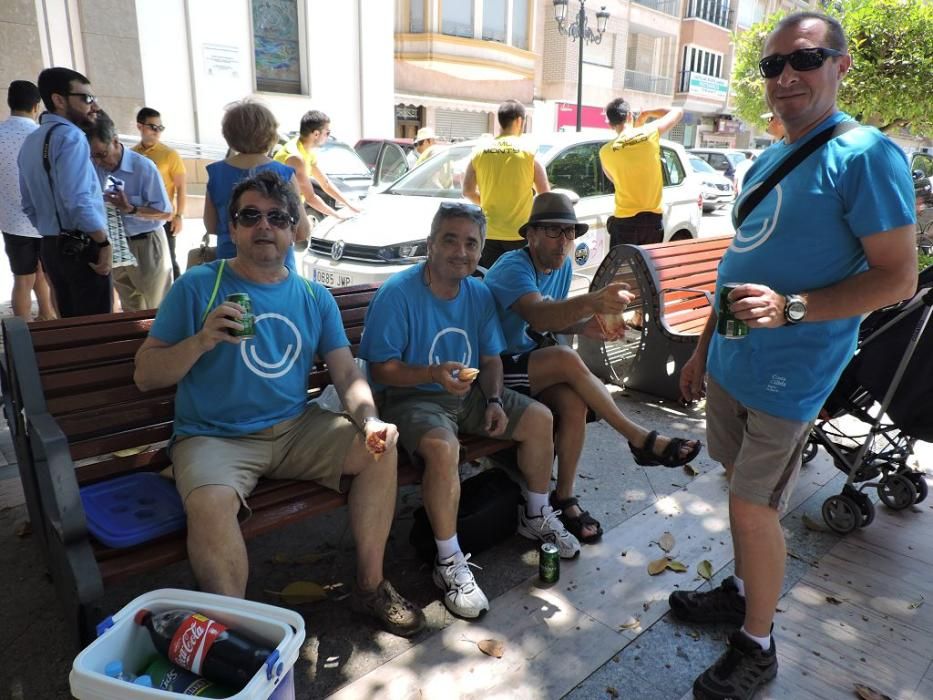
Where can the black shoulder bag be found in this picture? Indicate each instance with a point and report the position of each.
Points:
(71, 244)
(788, 164)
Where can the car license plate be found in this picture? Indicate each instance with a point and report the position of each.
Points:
(329, 278)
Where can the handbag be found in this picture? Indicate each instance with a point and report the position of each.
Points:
(203, 254)
(488, 514)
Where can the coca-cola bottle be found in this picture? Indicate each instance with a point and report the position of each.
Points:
(168, 676)
(204, 646)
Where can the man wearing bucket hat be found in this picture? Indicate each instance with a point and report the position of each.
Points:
(424, 142)
(531, 288)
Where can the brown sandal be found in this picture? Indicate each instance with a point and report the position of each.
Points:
(576, 523)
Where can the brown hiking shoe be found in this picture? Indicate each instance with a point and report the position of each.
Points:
(396, 614)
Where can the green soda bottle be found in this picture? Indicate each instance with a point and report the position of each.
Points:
(167, 676)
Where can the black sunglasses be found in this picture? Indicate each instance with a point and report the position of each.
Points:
(801, 60)
(154, 127)
(251, 216)
(87, 98)
(460, 207)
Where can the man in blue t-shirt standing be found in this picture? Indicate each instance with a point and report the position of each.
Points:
(241, 409)
(426, 327)
(531, 286)
(831, 241)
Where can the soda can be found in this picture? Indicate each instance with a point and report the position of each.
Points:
(727, 324)
(549, 563)
(247, 322)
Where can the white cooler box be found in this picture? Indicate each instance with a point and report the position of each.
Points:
(119, 637)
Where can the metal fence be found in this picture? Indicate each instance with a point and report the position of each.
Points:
(648, 82)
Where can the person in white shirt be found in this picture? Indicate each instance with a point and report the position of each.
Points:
(20, 238)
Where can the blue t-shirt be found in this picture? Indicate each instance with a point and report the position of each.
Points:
(406, 322)
(240, 389)
(222, 178)
(513, 276)
(805, 235)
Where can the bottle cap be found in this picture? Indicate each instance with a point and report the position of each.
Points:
(144, 680)
(140, 617)
(114, 668)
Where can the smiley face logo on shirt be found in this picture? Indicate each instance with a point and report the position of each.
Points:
(267, 368)
(451, 345)
(745, 239)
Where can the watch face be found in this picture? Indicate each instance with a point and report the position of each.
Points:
(796, 310)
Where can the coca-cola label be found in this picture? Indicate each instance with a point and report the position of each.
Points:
(193, 640)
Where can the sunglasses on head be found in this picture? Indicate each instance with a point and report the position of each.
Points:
(250, 216)
(153, 127)
(556, 231)
(800, 60)
(461, 208)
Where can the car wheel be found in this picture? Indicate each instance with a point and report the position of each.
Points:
(681, 236)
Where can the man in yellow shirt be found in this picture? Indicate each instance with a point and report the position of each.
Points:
(502, 177)
(300, 154)
(632, 161)
(171, 168)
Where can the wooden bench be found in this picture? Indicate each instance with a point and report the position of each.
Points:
(673, 284)
(70, 401)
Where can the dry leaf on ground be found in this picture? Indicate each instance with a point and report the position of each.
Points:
(916, 604)
(812, 524)
(866, 693)
(666, 542)
(833, 599)
(657, 566)
(612, 692)
(691, 470)
(677, 566)
(705, 569)
(300, 592)
(492, 647)
(630, 623)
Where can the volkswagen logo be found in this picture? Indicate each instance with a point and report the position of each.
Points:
(336, 252)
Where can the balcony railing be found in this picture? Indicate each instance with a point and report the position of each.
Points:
(647, 82)
(670, 7)
(715, 15)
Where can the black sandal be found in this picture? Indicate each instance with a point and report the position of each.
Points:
(576, 524)
(671, 457)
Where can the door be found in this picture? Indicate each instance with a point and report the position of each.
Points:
(391, 164)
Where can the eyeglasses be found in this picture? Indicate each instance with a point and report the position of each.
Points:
(251, 216)
(556, 231)
(801, 60)
(153, 127)
(86, 98)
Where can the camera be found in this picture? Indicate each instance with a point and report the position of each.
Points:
(73, 244)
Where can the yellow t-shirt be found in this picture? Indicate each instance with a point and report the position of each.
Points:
(168, 162)
(633, 161)
(293, 147)
(505, 175)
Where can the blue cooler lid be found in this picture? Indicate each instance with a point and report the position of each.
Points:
(130, 509)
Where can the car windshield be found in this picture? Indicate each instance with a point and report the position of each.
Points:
(340, 159)
(439, 176)
(701, 166)
(735, 158)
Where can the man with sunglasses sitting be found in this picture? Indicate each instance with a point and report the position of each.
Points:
(424, 329)
(832, 240)
(531, 287)
(241, 408)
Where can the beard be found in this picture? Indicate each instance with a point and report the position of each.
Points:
(80, 119)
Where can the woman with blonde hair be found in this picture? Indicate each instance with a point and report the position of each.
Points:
(250, 131)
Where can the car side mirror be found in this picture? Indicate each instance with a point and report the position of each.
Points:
(570, 194)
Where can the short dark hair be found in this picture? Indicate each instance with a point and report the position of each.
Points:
(22, 96)
(146, 113)
(249, 127)
(835, 34)
(313, 120)
(269, 184)
(617, 111)
(458, 210)
(509, 111)
(103, 129)
(57, 81)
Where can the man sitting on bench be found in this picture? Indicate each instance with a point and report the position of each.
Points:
(531, 286)
(425, 328)
(241, 407)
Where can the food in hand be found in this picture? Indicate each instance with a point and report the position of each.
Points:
(376, 443)
(467, 374)
(612, 325)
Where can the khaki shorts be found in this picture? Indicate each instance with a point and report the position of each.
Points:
(764, 450)
(417, 412)
(310, 447)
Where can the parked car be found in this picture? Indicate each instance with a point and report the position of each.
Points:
(389, 234)
(387, 159)
(722, 159)
(716, 188)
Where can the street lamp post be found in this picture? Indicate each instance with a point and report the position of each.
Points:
(579, 30)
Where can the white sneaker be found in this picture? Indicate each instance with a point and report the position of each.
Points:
(547, 527)
(462, 596)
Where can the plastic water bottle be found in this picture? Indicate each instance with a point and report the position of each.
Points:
(114, 669)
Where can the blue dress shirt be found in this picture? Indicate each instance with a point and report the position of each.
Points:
(77, 199)
(143, 187)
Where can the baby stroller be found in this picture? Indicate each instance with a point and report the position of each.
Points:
(888, 387)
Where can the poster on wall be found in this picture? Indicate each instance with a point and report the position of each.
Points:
(222, 61)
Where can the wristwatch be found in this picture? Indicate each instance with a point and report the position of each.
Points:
(494, 399)
(104, 244)
(795, 309)
(133, 210)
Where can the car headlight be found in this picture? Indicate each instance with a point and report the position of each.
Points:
(404, 252)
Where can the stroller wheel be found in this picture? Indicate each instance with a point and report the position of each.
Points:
(868, 513)
(810, 449)
(916, 478)
(842, 514)
(897, 492)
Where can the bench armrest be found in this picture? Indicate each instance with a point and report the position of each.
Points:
(59, 495)
(709, 297)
